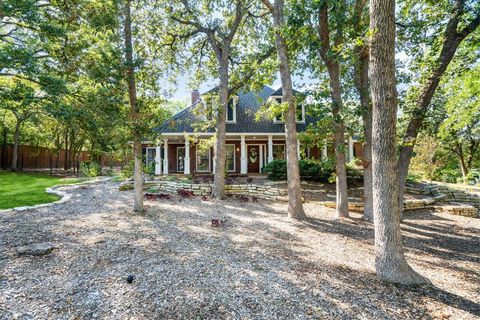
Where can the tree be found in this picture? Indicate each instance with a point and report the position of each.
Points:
(390, 261)
(215, 45)
(132, 94)
(329, 53)
(295, 207)
(360, 24)
(20, 99)
(463, 21)
(460, 130)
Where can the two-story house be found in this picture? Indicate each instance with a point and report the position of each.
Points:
(250, 143)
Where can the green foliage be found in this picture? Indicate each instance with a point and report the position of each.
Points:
(473, 177)
(450, 175)
(90, 169)
(127, 170)
(313, 170)
(149, 168)
(276, 170)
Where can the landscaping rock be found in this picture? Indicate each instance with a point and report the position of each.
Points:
(36, 249)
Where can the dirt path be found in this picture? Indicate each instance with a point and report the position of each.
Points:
(259, 266)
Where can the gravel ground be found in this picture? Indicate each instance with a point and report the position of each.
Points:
(259, 265)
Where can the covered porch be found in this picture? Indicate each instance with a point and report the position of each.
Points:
(245, 153)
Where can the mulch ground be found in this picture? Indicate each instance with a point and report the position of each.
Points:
(257, 265)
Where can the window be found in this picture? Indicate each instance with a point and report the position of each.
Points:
(180, 159)
(150, 156)
(279, 152)
(300, 115)
(230, 157)
(232, 110)
(203, 160)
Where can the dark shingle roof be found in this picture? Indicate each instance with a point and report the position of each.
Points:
(248, 104)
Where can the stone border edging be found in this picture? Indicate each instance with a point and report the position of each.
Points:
(64, 196)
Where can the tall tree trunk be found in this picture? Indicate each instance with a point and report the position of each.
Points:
(452, 39)
(390, 261)
(333, 68)
(4, 148)
(295, 206)
(65, 153)
(221, 127)
(338, 141)
(16, 139)
(361, 83)
(132, 93)
(360, 25)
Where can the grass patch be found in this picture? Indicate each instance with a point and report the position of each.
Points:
(21, 189)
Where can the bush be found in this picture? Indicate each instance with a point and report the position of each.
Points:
(276, 170)
(127, 171)
(450, 175)
(149, 168)
(313, 170)
(90, 169)
(473, 177)
(354, 169)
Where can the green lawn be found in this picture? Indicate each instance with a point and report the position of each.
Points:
(21, 189)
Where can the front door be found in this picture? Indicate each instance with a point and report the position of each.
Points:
(253, 159)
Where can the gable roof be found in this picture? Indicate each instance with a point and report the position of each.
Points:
(247, 106)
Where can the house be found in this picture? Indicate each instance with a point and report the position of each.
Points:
(250, 143)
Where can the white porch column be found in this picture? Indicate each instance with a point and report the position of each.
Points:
(158, 161)
(243, 155)
(214, 156)
(298, 149)
(165, 156)
(350, 148)
(186, 166)
(270, 149)
(260, 147)
(324, 151)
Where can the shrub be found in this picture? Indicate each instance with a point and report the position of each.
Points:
(309, 169)
(276, 170)
(354, 169)
(450, 175)
(127, 171)
(149, 168)
(473, 177)
(90, 169)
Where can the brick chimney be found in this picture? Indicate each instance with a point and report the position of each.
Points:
(195, 96)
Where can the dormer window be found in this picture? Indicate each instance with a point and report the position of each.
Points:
(280, 118)
(232, 110)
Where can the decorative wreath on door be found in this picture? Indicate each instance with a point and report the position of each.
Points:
(253, 155)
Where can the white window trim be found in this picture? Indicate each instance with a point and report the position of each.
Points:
(209, 161)
(235, 101)
(284, 150)
(146, 155)
(178, 148)
(234, 156)
(276, 121)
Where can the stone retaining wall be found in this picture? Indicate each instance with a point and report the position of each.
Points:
(410, 204)
(465, 202)
(202, 189)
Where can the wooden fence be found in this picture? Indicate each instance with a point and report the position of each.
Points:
(30, 157)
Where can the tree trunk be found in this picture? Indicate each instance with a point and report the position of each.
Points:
(221, 127)
(338, 141)
(390, 261)
(16, 139)
(132, 93)
(361, 83)
(295, 206)
(65, 154)
(4, 148)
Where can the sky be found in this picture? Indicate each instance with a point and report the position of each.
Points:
(182, 93)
